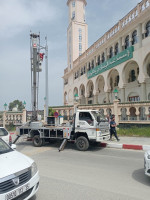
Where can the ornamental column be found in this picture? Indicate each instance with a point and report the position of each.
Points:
(122, 94)
(96, 98)
(24, 116)
(107, 97)
(116, 112)
(143, 92)
(139, 35)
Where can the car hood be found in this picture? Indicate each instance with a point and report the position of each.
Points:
(13, 162)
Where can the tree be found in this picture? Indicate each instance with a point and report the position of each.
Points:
(16, 103)
(51, 112)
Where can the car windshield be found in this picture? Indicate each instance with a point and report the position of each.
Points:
(3, 132)
(4, 148)
(98, 114)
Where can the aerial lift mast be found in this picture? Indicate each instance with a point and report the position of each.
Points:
(36, 67)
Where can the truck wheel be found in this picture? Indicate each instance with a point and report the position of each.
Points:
(82, 143)
(37, 141)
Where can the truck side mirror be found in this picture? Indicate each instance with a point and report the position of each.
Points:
(98, 119)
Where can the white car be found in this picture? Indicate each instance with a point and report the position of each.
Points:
(147, 163)
(5, 135)
(19, 176)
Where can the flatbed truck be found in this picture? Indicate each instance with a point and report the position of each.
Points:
(87, 126)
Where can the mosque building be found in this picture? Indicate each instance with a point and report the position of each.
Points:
(119, 60)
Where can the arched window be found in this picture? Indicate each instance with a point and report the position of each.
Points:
(92, 64)
(147, 29)
(98, 61)
(73, 4)
(132, 76)
(103, 57)
(134, 37)
(111, 52)
(116, 81)
(127, 44)
(81, 71)
(116, 49)
(73, 14)
(111, 83)
(89, 66)
(84, 69)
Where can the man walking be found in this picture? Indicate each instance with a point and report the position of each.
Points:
(113, 128)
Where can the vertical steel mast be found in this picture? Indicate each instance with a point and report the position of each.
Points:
(46, 77)
(35, 69)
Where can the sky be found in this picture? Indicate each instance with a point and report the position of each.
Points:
(50, 18)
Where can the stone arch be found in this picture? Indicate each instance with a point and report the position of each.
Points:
(132, 111)
(130, 72)
(82, 94)
(82, 90)
(90, 88)
(99, 87)
(142, 115)
(113, 79)
(99, 84)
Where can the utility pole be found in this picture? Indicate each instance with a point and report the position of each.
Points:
(46, 77)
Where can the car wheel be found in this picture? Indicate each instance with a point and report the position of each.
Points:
(82, 143)
(37, 141)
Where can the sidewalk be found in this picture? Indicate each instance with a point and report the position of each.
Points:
(136, 143)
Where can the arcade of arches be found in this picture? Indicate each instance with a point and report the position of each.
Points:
(127, 81)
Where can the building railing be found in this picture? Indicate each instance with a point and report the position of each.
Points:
(128, 112)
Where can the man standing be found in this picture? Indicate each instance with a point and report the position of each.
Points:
(113, 128)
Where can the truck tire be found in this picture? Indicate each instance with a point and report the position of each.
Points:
(37, 141)
(82, 143)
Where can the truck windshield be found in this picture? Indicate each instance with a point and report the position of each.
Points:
(98, 114)
(4, 148)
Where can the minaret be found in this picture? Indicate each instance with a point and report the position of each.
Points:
(77, 33)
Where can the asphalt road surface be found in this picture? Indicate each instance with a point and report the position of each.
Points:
(97, 174)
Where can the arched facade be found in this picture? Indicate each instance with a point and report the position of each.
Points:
(119, 60)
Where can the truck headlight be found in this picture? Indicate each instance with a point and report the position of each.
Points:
(33, 169)
(100, 133)
(148, 156)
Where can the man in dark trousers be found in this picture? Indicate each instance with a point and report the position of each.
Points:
(113, 128)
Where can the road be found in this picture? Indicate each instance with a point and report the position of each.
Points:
(97, 174)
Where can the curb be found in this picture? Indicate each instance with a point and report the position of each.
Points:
(125, 146)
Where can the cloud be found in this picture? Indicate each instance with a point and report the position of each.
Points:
(15, 15)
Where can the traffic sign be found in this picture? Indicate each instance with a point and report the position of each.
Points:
(56, 114)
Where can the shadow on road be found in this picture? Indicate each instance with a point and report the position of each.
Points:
(139, 176)
(56, 144)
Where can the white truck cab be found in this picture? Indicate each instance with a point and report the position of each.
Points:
(92, 125)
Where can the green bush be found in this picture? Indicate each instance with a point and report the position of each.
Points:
(11, 127)
(134, 131)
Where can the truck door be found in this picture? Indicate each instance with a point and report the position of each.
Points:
(85, 121)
